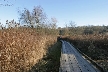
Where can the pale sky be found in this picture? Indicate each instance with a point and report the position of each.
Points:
(83, 12)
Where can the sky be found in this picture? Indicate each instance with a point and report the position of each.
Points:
(82, 12)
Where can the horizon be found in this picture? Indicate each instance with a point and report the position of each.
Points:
(82, 12)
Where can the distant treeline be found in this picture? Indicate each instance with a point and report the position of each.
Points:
(37, 19)
(86, 30)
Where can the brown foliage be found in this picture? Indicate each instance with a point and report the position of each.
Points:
(21, 48)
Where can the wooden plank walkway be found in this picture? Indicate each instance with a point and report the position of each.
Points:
(72, 61)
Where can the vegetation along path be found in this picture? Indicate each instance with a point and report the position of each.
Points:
(51, 61)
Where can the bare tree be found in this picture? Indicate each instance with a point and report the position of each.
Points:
(72, 24)
(26, 17)
(38, 15)
(34, 18)
(53, 23)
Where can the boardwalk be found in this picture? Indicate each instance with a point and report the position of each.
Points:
(72, 61)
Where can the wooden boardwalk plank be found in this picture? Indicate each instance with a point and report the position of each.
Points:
(72, 61)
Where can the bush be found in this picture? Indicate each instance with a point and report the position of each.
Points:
(21, 48)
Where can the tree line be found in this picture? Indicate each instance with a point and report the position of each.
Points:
(84, 30)
(37, 18)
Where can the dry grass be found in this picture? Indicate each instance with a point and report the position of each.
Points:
(21, 48)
